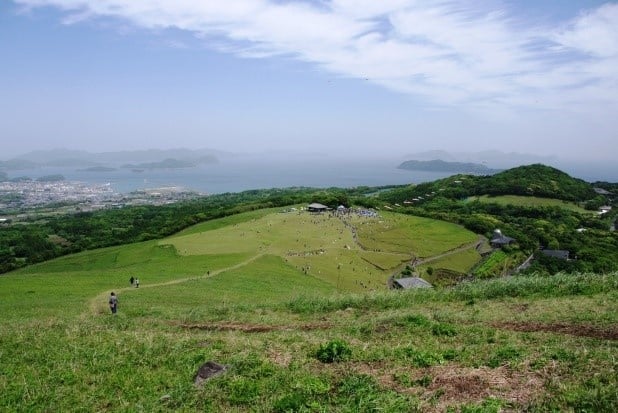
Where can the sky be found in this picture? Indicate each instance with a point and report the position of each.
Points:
(352, 78)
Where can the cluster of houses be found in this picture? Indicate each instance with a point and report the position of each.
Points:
(499, 240)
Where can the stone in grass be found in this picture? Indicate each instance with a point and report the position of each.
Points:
(208, 370)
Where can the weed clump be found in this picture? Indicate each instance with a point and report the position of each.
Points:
(334, 351)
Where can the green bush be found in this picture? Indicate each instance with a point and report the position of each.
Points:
(334, 351)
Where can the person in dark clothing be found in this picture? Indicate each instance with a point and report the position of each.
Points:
(131, 280)
(113, 303)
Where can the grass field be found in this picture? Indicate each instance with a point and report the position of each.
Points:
(512, 345)
(316, 247)
(404, 234)
(353, 254)
(529, 201)
(268, 296)
(461, 262)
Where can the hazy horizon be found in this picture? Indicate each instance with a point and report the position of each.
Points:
(154, 153)
(73, 162)
(357, 79)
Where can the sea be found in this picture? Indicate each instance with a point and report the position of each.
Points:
(236, 175)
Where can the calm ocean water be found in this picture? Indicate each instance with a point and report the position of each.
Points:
(235, 175)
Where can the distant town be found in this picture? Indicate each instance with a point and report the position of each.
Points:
(23, 195)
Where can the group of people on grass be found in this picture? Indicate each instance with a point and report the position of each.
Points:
(113, 298)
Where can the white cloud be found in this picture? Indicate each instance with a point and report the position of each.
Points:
(594, 32)
(447, 52)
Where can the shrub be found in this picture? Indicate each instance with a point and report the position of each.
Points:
(334, 351)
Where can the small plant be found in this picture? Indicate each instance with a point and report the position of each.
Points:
(290, 403)
(443, 329)
(403, 379)
(414, 320)
(424, 381)
(421, 358)
(449, 355)
(334, 351)
(487, 406)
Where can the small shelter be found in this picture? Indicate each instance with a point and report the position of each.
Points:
(410, 282)
(315, 207)
(499, 240)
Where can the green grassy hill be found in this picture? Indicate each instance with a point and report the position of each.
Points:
(529, 180)
(298, 312)
(537, 180)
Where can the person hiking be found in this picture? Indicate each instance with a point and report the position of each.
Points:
(131, 280)
(113, 303)
(137, 283)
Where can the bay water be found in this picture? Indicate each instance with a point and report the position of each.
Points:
(235, 175)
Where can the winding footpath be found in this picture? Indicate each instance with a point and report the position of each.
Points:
(98, 304)
(461, 248)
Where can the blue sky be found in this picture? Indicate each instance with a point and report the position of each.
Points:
(340, 77)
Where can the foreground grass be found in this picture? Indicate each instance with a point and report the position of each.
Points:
(528, 343)
(264, 294)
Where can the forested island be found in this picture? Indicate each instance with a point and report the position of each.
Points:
(164, 164)
(438, 165)
(98, 169)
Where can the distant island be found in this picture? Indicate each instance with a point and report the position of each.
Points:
(438, 165)
(97, 169)
(164, 164)
(144, 159)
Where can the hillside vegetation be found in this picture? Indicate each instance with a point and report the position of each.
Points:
(529, 201)
(539, 206)
(530, 180)
(290, 342)
(535, 222)
(294, 307)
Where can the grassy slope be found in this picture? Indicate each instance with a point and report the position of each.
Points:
(264, 318)
(422, 236)
(513, 343)
(531, 201)
(325, 247)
